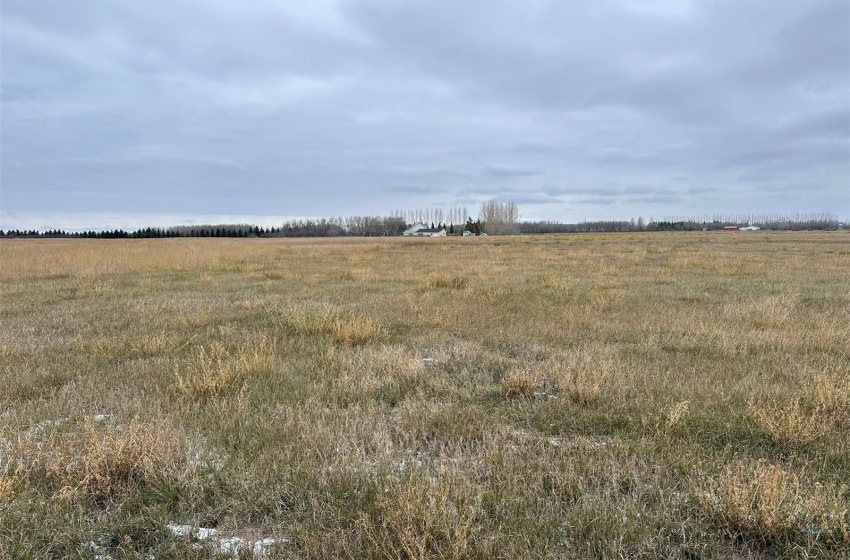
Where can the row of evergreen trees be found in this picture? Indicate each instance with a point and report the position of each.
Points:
(151, 232)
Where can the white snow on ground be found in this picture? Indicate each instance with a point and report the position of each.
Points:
(42, 425)
(99, 551)
(206, 459)
(231, 546)
(37, 428)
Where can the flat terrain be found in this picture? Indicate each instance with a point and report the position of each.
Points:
(681, 395)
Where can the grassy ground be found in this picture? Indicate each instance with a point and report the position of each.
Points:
(682, 395)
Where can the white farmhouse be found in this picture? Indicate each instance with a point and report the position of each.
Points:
(421, 230)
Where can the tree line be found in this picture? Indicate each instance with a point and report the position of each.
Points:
(353, 226)
(798, 221)
(455, 216)
(494, 218)
(225, 230)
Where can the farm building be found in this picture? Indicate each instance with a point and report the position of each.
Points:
(731, 228)
(750, 228)
(421, 230)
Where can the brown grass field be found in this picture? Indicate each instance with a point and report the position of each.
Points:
(668, 395)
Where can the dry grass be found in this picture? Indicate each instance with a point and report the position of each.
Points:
(441, 280)
(215, 371)
(677, 416)
(832, 395)
(98, 462)
(419, 520)
(582, 375)
(812, 414)
(324, 319)
(793, 424)
(766, 502)
(353, 332)
(521, 383)
(580, 396)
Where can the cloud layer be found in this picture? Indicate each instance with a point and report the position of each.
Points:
(571, 109)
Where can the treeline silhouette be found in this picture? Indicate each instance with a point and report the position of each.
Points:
(389, 226)
(237, 230)
(354, 226)
(581, 227)
(800, 221)
(811, 221)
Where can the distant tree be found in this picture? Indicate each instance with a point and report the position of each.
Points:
(499, 218)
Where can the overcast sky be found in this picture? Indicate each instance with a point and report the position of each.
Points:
(606, 109)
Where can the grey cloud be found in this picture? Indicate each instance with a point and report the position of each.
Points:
(357, 106)
(575, 191)
(694, 191)
(532, 199)
(593, 201)
(506, 172)
(653, 199)
(785, 189)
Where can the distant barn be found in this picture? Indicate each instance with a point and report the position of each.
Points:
(731, 228)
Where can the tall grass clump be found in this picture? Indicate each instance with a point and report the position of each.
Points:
(820, 408)
(584, 374)
(326, 320)
(521, 383)
(10, 480)
(767, 503)
(215, 371)
(832, 395)
(796, 423)
(420, 517)
(311, 320)
(446, 281)
(99, 462)
(355, 331)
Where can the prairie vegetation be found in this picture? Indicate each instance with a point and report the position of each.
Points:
(670, 395)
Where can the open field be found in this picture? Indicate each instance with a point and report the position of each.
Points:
(682, 395)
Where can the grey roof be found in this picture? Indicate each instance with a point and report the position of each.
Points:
(430, 230)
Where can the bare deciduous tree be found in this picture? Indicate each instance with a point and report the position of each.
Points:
(499, 218)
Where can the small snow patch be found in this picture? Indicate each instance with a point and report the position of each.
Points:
(99, 551)
(231, 546)
(403, 465)
(206, 459)
(45, 424)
